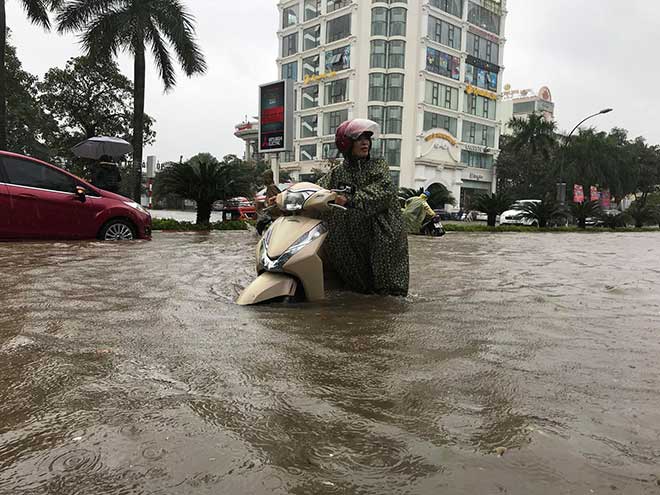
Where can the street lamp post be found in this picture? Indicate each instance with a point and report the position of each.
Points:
(561, 184)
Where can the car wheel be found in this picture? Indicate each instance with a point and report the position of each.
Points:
(117, 230)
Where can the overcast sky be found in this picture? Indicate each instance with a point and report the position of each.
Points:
(591, 54)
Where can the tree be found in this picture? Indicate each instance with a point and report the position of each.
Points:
(584, 210)
(640, 213)
(534, 133)
(88, 99)
(440, 195)
(205, 180)
(28, 126)
(542, 212)
(37, 13)
(493, 205)
(108, 26)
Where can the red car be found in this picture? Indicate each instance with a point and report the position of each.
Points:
(41, 201)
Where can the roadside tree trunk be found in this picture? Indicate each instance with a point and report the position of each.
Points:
(492, 219)
(138, 118)
(203, 213)
(3, 77)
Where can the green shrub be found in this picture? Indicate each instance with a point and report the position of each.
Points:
(175, 225)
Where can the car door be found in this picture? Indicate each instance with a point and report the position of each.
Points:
(5, 207)
(43, 202)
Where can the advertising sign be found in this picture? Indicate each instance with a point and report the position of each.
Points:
(595, 196)
(578, 194)
(276, 117)
(605, 199)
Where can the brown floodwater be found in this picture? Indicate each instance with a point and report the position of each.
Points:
(519, 364)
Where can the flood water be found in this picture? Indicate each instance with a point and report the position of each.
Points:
(520, 364)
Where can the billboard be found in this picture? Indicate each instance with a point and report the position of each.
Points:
(578, 194)
(276, 117)
(594, 194)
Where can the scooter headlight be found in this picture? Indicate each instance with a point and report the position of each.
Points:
(294, 201)
(277, 265)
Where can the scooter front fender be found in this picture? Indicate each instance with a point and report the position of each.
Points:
(268, 286)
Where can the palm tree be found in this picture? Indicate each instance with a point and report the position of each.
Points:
(108, 26)
(534, 133)
(205, 180)
(37, 12)
(542, 212)
(440, 195)
(640, 213)
(584, 210)
(492, 205)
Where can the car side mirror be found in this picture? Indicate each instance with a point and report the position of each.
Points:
(81, 193)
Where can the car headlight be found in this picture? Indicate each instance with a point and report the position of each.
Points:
(294, 201)
(136, 206)
(277, 265)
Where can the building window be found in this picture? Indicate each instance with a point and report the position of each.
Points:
(311, 37)
(395, 175)
(377, 87)
(339, 28)
(379, 21)
(311, 66)
(394, 87)
(377, 114)
(398, 21)
(445, 33)
(392, 151)
(477, 160)
(443, 64)
(484, 18)
(480, 77)
(338, 59)
(290, 71)
(480, 106)
(312, 9)
(331, 121)
(309, 126)
(438, 121)
(337, 4)
(393, 119)
(329, 151)
(310, 97)
(378, 57)
(397, 54)
(290, 16)
(478, 134)
(287, 157)
(453, 7)
(482, 48)
(440, 95)
(336, 91)
(290, 45)
(308, 152)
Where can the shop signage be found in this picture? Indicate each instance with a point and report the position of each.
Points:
(276, 117)
(441, 135)
(578, 194)
(309, 79)
(244, 127)
(474, 176)
(595, 196)
(605, 199)
(484, 34)
(545, 94)
(482, 64)
(475, 148)
(473, 90)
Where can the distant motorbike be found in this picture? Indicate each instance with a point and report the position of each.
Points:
(433, 227)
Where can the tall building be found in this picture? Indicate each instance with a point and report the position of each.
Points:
(522, 103)
(429, 71)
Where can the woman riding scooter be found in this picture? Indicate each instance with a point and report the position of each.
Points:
(367, 245)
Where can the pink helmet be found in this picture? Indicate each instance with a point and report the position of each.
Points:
(349, 131)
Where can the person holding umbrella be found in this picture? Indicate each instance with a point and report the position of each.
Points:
(105, 174)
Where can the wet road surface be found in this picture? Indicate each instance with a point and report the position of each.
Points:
(520, 364)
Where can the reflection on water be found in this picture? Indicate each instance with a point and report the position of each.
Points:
(518, 364)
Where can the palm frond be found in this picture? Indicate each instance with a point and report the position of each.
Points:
(161, 56)
(77, 14)
(37, 12)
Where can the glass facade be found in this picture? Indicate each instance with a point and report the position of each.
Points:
(310, 97)
(480, 106)
(290, 16)
(434, 120)
(336, 91)
(480, 76)
(290, 71)
(312, 9)
(337, 4)
(309, 126)
(308, 152)
(338, 28)
(440, 95)
(443, 64)
(478, 134)
(477, 160)
(445, 33)
(482, 48)
(483, 18)
(338, 59)
(312, 37)
(331, 121)
(311, 66)
(453, 7)
(290, 45)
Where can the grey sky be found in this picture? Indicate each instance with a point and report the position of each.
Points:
(592, 54)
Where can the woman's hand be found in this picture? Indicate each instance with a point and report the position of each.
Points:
(341, 200)
(271, 201)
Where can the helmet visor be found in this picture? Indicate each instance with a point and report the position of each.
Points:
(357, 127)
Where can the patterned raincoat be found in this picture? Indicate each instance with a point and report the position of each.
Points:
(367, 245)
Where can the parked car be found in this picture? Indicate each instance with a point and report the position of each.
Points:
(515, 215)
(239, 208)
(41, 201)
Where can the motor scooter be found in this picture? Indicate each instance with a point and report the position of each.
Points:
(433, 227)
(288, 255)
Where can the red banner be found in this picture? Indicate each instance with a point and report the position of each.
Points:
(605, 199)
(595, 196)
(578, 194)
